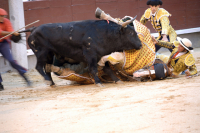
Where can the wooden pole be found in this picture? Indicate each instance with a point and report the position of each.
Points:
(19, 29)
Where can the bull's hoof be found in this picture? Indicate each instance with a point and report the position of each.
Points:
(119, 82)
(98, 13)
(100, 85)
(47, 82)
(53, 86)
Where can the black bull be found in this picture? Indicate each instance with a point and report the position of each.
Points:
(84, 41)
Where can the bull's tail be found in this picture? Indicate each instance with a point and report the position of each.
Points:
(29, 30)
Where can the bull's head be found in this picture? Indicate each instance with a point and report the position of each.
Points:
(102, 15)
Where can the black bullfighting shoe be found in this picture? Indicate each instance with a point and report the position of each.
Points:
(28, 82)
(1, 87)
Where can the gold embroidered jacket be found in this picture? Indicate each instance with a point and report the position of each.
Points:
(181, 63)
(160, 23)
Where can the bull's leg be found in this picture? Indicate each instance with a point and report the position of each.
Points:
(49, 75)
(90, 57)
(43, 56)
(49, 61)
(42, 59)
(94, 71)
(40, 68)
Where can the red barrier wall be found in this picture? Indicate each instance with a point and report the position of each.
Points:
(4, 5)
(185, 13)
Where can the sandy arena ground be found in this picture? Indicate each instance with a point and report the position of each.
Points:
(166, 106)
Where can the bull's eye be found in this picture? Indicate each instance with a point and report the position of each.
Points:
(131, 33)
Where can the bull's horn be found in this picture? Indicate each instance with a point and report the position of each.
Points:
(102, 15)
(98, 13)
(124, 24)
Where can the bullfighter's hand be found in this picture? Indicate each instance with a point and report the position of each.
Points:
(154, 40)
(187, 72)
(165, 38)
(16, 33)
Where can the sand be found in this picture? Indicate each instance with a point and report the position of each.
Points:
(164, 106)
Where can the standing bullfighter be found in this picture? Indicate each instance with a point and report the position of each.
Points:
(159, 18)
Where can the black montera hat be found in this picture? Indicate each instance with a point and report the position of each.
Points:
(154, 2)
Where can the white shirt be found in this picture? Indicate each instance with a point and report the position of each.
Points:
(181, 53)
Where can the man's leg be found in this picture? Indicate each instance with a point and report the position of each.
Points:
(1, 86)
(52, 68)
(5, 51)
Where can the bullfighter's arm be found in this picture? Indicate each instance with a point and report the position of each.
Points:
(190, 62)
(143, 20)
(165, 25)
(193, 69)
(164, 44)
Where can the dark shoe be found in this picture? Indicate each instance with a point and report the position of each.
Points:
(28, 82)
(1, 87)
